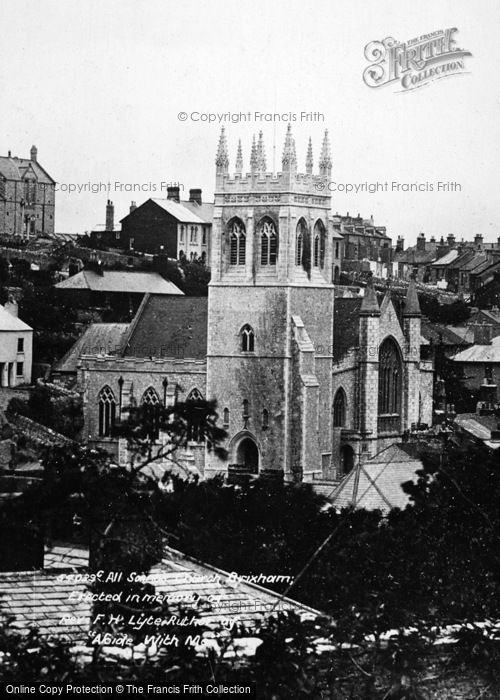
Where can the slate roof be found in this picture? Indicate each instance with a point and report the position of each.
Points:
(41, 598)
(414, 256)
(97, 339)
(120, 281)
(480, 353)
(445, 335)
(8, 322)
(447, 259)
(184, 211)
(376, 484)
(480, 427)
(14, 168)
(169, 327)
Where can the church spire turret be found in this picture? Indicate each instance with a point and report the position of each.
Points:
(289, 160)
(325, 161)
(222, 158)
(239, 160)
(309, 158)
(261, 155)
(412, 305)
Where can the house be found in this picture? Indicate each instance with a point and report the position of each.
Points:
(171, 227)
(366, 246)
(482, 426)
(16, 347)
(27, 196)
(480, 364)
(415, 260)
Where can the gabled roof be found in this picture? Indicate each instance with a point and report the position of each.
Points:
(446, 335)
(97, 339)
(480, 427)
(447, 259)
(40, 599)
(120, 281)
(480, 353)
(376, 484)
(169, 327)
(8, 322)
(15, 169)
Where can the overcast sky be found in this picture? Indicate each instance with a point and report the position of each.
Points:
(98, 87)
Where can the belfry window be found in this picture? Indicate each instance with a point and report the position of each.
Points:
(319, 244)
(247, 339)
(303, 246)
(339, 405)
(316, 250)
(238, 244)
(268, 243)
(298, 248)
(107, 411)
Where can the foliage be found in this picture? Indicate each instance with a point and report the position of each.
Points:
(449, 314)
(60, 412)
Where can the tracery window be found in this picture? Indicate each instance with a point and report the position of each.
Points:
(319, 244)
(107, 411)
(268, 243)
(237, 239)
(195, 430)
(389, 386)
(247, 339)
(151, 412)
(303, 246)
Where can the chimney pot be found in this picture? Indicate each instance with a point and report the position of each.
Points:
(34, 154)
(173, 193)
(133, 207)
(195, 196)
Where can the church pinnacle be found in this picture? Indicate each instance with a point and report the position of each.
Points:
(222, 158)
(289, 160)
(239, 159)
(254, 159)
(309, 158)
(325, 161)
(412, 305)
(261, 154)
(369, 305)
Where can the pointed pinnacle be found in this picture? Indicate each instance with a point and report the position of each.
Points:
(309, 157)
(222, 158)
(239, 159)
(325, 160)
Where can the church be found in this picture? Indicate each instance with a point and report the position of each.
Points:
(308, 385)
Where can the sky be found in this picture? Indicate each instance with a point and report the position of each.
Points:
(100, 88)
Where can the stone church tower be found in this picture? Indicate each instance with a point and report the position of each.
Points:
(270, 312)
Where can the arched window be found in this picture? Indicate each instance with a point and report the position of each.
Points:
(246, 409)
(247, 339)
(151, 413)
(225, 418)
(107, 411)
(268, 243)
(389, 387)
(237, 240)
(195, 429)
(195, 395)
(204, 235)
(339, 408)
(265, 419)
(182, 233)
(303, 246)
(319, 244)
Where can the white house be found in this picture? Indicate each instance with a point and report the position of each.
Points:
(16, 347)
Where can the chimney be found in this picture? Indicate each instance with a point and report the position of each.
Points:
(482, 333)
(133, 207)
(9, 154)
(478, 241)
(11, 307)
(400, 244)
(34, 154)
(195, 196)
(421, 242)
(451, 240)
(173, 193)
(110, 216)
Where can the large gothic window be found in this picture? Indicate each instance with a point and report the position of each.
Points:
(107, 411)
(151, 412)
(339, 406)
(247, 339)
(303, 246)
(237, 239)
(268, 243)
(319, 244)
(390, 383)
